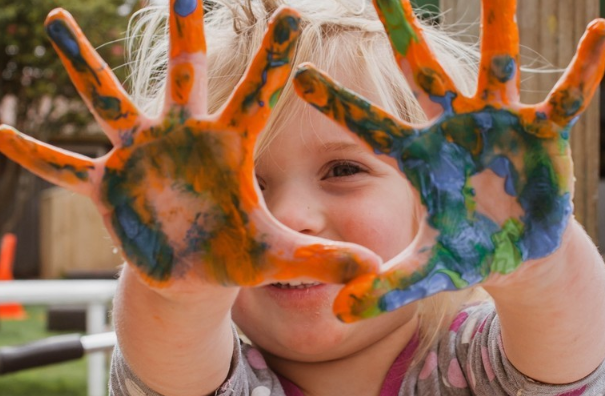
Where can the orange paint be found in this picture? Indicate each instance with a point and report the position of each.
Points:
(499, 38)
(187, 33)
(182, 78)
(95, 81)
(68, 170)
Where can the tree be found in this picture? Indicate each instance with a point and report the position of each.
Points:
(34, 86)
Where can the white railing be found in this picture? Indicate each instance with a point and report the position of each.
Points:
(95, 294)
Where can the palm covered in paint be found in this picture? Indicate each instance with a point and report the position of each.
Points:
(495, 176)
(178, 193)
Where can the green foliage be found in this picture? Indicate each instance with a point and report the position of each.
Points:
(29, 67)
(65, 379)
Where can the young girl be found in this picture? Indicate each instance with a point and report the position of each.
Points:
(164, 192)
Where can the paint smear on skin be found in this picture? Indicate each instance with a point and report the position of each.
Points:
(507, 255)
(175, 161)
(81, 174)
(221, 237)
(502, 167)
(278, 56)
(67, 42)
(184, 8)
(439, 161)
(503, 68)
(527, 148)
(92, 78)
(108, 107)
(398, 27)
(431, 82)
(566, 104)
(187, 28)
(182, 79)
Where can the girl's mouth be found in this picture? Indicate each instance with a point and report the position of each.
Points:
(295, 285)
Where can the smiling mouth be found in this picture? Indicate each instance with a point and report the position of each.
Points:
(295, 285)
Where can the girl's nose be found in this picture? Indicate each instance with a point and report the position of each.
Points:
(297, 208)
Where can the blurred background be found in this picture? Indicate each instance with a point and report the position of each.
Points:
(60, 236)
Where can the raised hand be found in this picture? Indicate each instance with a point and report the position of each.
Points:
(495, 176)
(178, 193)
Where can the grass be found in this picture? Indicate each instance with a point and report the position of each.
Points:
(65, 379)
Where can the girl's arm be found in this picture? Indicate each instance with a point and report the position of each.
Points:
(552, 314)
(495, 179)
(178, 195)
(176, 345)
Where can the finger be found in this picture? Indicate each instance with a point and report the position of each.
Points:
(282, 254)
(430, 83)
(258, 91)
(372, 124)
(460, 256)
(574, 90)
(499, 69)
(95, 82)
(65, 169)
(187, 60)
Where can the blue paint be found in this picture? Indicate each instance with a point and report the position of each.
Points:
(445, 101)
(184, 8)
(544, 231)
(434, 283)
(449, 172)
(502, 167)
(484, 121)
(60, 33)
(398, 298)
(66, 40)
(284, 28)
(149, 247)
(197, 235)
(127, 137)
(503, 68)
(82, 175)
(541, 116)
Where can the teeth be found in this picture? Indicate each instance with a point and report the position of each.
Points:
(295, 285)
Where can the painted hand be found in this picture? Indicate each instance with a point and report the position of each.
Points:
(178, 193)
(494, 176)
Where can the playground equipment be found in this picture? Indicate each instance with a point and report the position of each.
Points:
(95, 294)
(8, 246)
(53, 350)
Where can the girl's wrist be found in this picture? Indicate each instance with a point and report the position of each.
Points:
(181, 294)
(537, 278)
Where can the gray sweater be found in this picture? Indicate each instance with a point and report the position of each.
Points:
(468, 360)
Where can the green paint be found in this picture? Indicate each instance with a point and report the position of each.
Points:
(507, 256)
(469, 197)
(398, 27)
(275, 97)
(82, 175)
(455, 277)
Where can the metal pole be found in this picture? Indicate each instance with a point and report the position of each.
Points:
(96, 323)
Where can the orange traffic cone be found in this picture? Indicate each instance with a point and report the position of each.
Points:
(12, 311)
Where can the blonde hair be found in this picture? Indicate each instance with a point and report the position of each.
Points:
(336, 36)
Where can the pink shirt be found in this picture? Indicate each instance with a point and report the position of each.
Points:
(392, 382)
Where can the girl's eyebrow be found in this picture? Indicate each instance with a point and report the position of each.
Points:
(342, 146)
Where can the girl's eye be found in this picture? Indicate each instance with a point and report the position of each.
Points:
(343, 169)
(261, 182)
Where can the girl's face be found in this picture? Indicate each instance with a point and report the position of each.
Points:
(319, 179)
